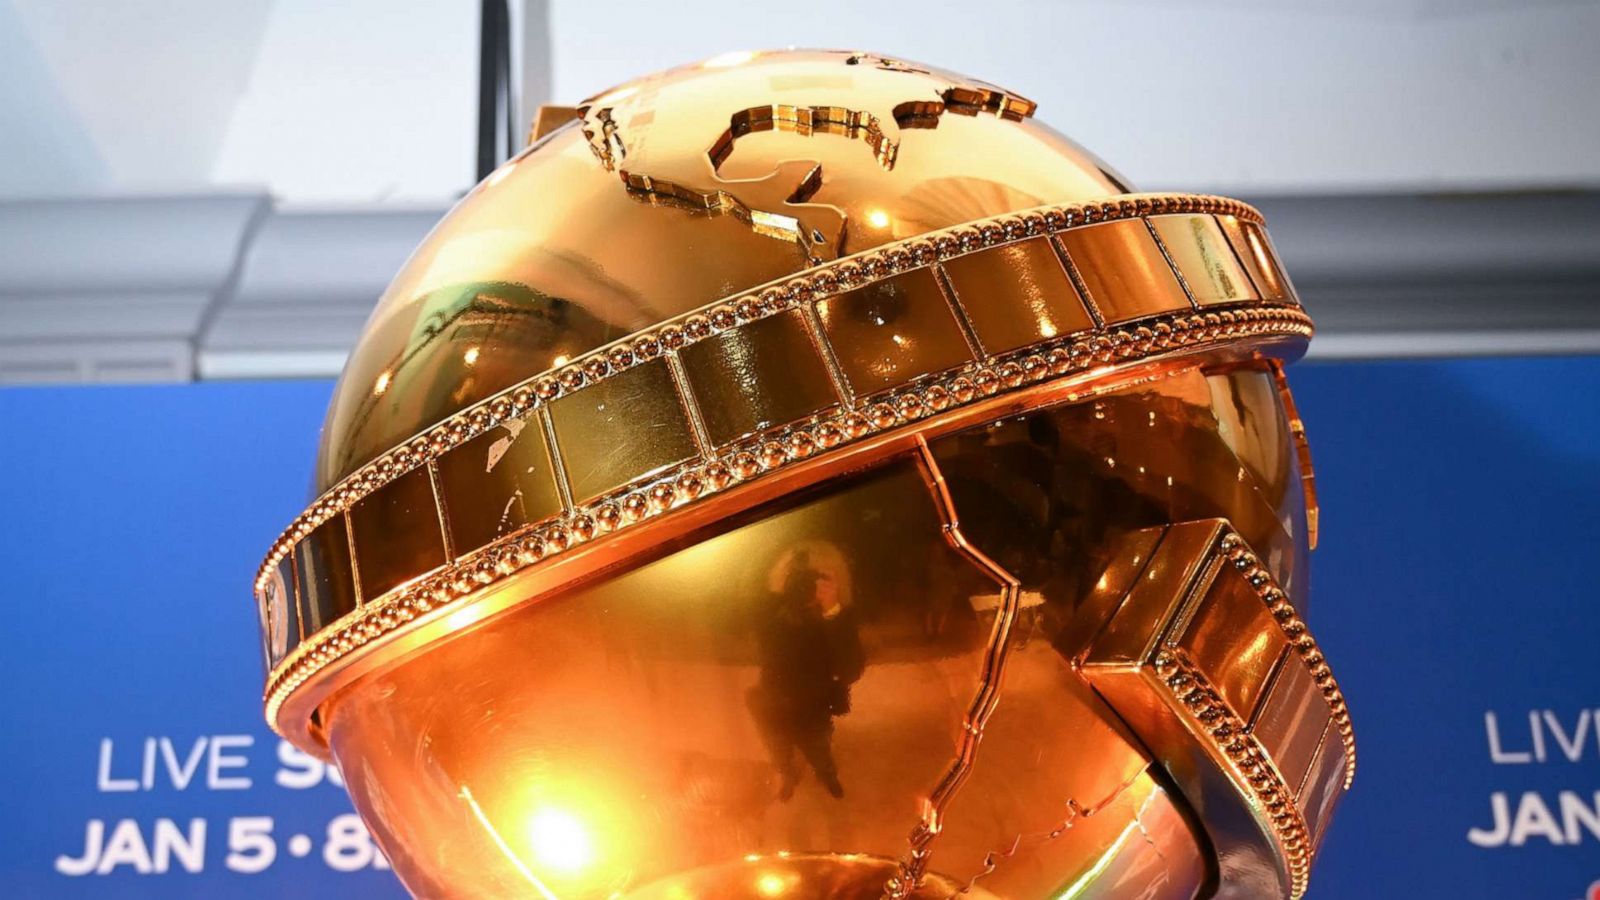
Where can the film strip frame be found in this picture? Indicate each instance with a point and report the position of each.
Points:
(1000, 303)
(1273, 723)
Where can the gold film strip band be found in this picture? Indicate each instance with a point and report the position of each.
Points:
(752, 383)
(1209, 664)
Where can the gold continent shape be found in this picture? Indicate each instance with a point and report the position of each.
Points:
(675, 191)
(620, 126)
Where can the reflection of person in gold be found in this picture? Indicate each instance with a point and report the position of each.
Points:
(810, 653)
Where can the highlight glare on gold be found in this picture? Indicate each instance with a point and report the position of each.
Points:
(771, 884)
(500, 174)
(560, 841)
(464, 618)
(730, 59)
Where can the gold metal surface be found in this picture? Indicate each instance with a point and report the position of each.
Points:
(966, 729)
(747, 380)
(641, 402)
(548, 118)
(1232, 638)
(746, 491)
(1203, 258)
(1234, 730)
(1017, 295)
(675, 191)
(507, 469)
(1250, 246)
(1302, 446)
(386, 555)
(893, 332)
(926, 342)
(1292, 719)
(1122, 270)
(324, 581)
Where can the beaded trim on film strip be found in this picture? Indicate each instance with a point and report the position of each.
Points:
(1237, 741)
(1295, 629)
(695, 481)
(1248, 756)
(1076, 352)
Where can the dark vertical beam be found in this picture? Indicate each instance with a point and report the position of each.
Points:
(496, 108)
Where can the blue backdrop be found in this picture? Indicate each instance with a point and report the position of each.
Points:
(1453, 591)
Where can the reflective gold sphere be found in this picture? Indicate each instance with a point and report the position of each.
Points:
(804, 474)
(675, 191)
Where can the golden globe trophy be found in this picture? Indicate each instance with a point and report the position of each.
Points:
(804, 474)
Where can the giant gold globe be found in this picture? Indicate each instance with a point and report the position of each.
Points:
(804, 474)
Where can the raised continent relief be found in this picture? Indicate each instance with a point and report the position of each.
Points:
(783, 203)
